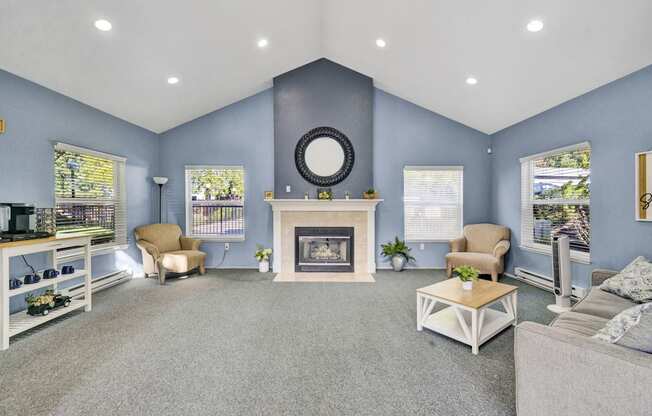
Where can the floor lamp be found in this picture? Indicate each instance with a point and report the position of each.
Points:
(160, 181)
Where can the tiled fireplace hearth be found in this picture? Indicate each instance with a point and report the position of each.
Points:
(324, 240)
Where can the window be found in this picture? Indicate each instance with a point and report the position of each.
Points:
(432, 202)
(89, 193)
(555, 191)
(215, 202)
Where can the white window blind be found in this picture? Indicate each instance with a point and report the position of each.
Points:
(215, 202)
(90, 195)
(555, 199)
(432, 202)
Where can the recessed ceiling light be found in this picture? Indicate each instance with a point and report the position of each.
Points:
(471, 81)
(173, 80)
(262, 43)
(103, 25)
(381, 43)
(534, 25)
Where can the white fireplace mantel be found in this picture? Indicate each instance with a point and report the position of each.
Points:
(314, 205)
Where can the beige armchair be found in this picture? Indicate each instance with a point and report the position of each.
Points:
(482, 246)
(164, 249)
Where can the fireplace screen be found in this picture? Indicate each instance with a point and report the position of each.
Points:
(324, 249)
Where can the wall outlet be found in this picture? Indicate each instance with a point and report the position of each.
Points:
(422, 246)
(227, 246)
(288, 188)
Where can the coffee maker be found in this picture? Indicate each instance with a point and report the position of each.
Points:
(18, 222)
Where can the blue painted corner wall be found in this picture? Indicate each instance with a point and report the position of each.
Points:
(616, 120)
(36, 118)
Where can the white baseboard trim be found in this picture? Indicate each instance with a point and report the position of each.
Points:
(100, 283)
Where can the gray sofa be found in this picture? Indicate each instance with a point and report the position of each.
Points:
(561, 370)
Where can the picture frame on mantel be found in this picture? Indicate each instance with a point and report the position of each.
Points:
(643, 190)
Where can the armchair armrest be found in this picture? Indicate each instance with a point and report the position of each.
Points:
(561, 373)
(501, 248)
(188, 243)
(150, 248)
(458, 244)
(600, 275)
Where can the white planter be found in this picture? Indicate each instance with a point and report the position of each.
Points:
(263, 266)
(467, 285)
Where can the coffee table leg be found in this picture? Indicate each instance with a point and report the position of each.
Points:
(474, 332)
(420, 300)
(515, 307)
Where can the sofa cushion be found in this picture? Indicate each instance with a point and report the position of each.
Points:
(631, 328)
(181, 261)
(579, 323)
(603, 304)
(633, 282)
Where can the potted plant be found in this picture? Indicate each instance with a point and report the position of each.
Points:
(467, 274)
(398, 252)
(370, 194)
(262, 255)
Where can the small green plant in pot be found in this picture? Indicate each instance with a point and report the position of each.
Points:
(262, 255)
(467, 274)
(398, 252)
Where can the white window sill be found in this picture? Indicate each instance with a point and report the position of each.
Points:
(214, 239)
(78, 254)
(581, 258)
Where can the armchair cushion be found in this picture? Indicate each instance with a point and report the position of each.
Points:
(181, 261)
(150, 248)
(188, 243)
(164, 236)
(482, 238)
(459, 244)
(486, 263)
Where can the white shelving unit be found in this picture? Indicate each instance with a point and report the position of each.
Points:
(14, 324)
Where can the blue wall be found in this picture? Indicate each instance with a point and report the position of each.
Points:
(36, 118)
(616, 119)
(322, 93)
(406, 134)
(240, 134)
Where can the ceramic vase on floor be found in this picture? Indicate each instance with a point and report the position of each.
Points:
(398, 262)
(263, 266)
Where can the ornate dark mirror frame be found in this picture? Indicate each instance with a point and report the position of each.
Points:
(300, 156)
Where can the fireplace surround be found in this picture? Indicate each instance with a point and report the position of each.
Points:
(324, 249)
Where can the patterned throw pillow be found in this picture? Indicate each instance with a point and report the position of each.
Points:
(633, 282)
(631, 328)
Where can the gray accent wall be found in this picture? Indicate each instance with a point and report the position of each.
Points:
(406, 134)
(322, 93)
(240, 134)
(616, 120)
(36, 118)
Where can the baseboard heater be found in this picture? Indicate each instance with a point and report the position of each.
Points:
(100, 283)
(544, 282)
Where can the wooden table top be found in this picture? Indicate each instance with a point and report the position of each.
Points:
(39, 240)
(483, 293)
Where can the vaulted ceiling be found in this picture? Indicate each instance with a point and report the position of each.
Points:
(432, 47)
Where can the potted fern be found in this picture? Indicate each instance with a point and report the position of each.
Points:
(262, 255)
(467, 274)
(398, 252)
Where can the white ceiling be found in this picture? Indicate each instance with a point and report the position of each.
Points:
(432, 46)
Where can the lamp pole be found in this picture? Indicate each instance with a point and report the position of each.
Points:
(160, 181)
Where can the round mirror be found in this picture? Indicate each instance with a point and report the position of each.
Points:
(324, 156)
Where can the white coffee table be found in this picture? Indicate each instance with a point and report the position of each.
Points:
(468, 318)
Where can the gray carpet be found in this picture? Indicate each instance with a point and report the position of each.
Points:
(234, 343)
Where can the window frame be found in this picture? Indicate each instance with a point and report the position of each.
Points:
(188, 203)
(459, 168)
(527, 242)
(121, 239)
